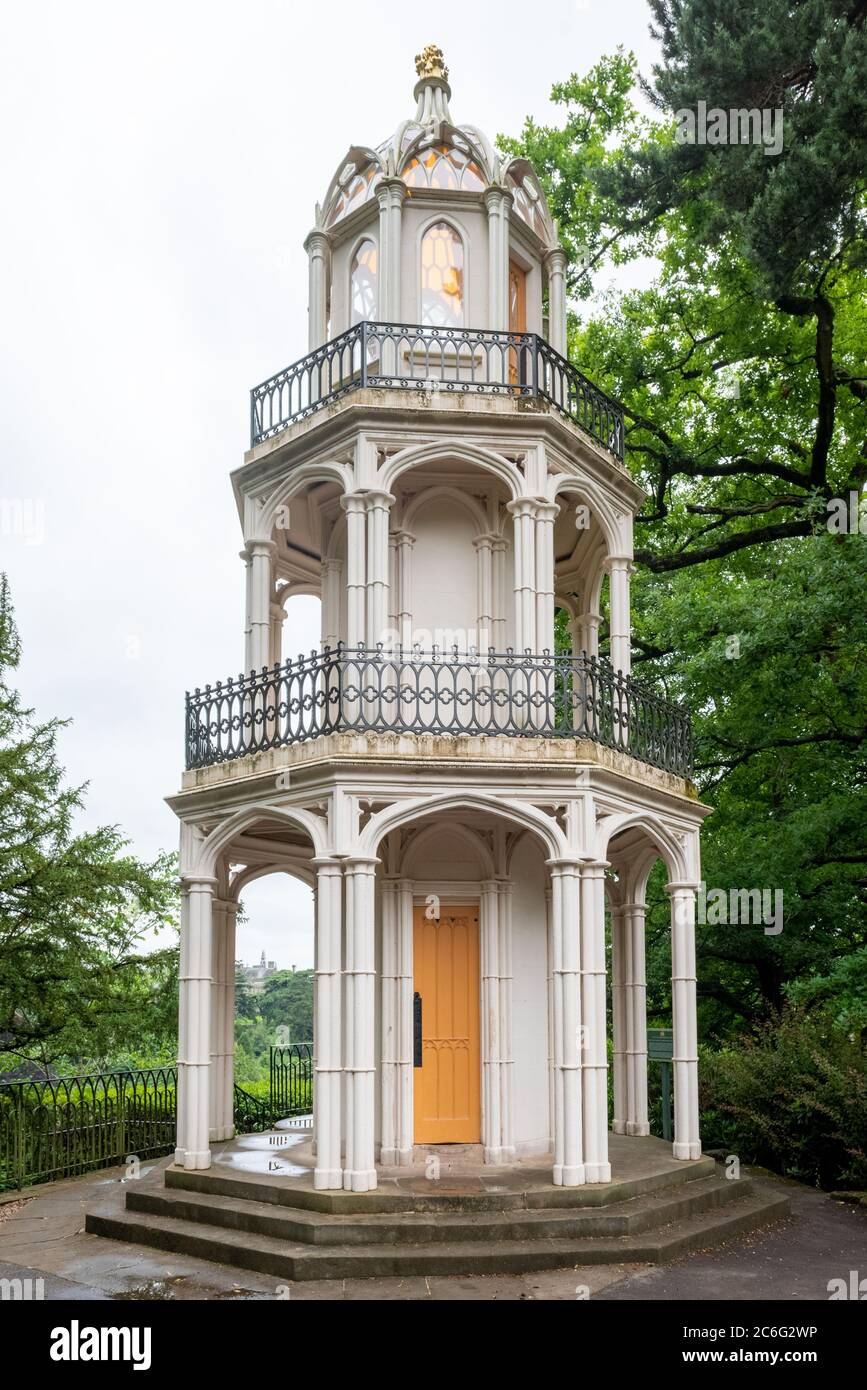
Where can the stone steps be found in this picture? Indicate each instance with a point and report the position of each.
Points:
(253, 1235)
(538, 1191)
(416, 1228)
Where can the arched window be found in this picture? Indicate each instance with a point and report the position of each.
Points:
(442, 277)
(363, 282)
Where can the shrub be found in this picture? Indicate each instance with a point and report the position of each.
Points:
(792, 1098)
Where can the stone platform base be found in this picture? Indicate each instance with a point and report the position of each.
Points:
(256, 1208)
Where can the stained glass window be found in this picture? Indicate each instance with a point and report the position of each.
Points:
(442, 277)
(355, 189)
(363, 282)
(444, 167)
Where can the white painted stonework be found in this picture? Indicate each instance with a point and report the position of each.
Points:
(464, 520)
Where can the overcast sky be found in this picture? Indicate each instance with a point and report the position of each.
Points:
(160, 166)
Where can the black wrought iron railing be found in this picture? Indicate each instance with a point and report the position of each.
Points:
(377, 691)
(455, 360)
(291, 1078)
(63, 1126)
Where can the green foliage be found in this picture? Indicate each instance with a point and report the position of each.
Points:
(793, 1098)
(792, 213)
(74, 908)
(744, 417)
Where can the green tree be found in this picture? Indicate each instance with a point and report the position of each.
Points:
(287, 1000)
(745, 417)
(74, 908)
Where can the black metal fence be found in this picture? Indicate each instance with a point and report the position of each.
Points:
(363, 690)
(291, 1075)
(73, 1124)
(417, 358)
(58, 1128)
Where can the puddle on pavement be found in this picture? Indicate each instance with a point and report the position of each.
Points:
(167, 1290)
(266, 1153)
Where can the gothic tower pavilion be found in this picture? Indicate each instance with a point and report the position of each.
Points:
(467, 802)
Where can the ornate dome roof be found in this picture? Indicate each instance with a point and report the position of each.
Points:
(430, 152)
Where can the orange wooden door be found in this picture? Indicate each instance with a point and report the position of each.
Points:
(517, 312)
(446, 1091)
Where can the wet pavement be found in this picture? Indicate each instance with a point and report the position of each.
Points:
(44, 1238)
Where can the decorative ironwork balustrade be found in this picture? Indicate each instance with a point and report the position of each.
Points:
(454, 360)
(377, 691)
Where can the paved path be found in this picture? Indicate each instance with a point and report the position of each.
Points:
(45, 1238)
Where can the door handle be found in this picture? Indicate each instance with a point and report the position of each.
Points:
(416, 1029)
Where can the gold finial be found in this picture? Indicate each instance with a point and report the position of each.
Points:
(429, 63)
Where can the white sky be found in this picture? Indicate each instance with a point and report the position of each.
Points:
(160, 165)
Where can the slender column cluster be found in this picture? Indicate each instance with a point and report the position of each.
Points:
(566, 972)
(546, 515)
(390, 1020)
(497, 202)
(378, 508)
(404, 541)
(595, 1053)
(259, 594)
(355, 506)
(316, 247)
(332, 571)
(359, 1174)
(685, 1042)
(329, 1067)
(221, 1103)
(390, 194)
(497, 1068)
(619, 570)
(629, 1001)
(524, 509)
(555, 261)
(194, 1023)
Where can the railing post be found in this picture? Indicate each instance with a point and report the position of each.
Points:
(534, 358)
(252, 418)
(364, 327)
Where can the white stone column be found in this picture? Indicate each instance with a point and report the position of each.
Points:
(405, 1119)
(194, 1023)
(405, 541)
(226, 1110)
(498, 587)
(619, 570)
(390, 193)
(275, 637)
(546, 514)
(378, 509)
(218, 1000)
(687, 1144)
(620, 944)
(260, 591)
(555, 260)
(355, 506)
(327, 1042)
(484, 591)
(316, 247)
(637, 1122)
(595, 1067)
(390, 1023)
(568, 1101)
(359, 1174)
(524, 512)
(490, 971)
(587, 630)
(497, 202)
(221, 1106)
(507, 1131)
(331, 572)
(549, 950)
